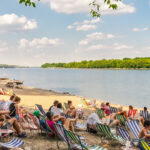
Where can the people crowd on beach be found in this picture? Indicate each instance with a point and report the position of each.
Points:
(17, 118)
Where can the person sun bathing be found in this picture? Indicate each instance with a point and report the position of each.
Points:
(144, 133)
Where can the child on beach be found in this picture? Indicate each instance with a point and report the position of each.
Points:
(144, 133)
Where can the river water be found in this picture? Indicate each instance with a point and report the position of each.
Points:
(117, 86)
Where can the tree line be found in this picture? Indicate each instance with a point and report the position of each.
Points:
(135, 63)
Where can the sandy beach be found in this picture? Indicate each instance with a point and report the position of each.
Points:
(31, 96)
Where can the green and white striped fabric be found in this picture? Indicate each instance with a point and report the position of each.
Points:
(79, 144)
(107, 132)
(100, 113)
(122, 119)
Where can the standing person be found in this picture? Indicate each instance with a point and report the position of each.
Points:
(7, 104)
(14, 108)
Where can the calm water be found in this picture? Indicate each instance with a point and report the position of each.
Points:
(117, 86)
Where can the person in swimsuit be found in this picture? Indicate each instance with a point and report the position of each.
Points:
(144, 133)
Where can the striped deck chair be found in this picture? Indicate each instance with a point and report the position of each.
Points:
(100, 113)
(5, 132)
(122, 119)
(134, 127)
(78, 143)
(113, 110)
(46, 126)
(41, 109)
(123, 133)
(132, 113)
(145, 115)
(143, 145)
(60, 133)
(107, 132)
(13, 143)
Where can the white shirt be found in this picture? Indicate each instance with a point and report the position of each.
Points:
(56, 111)
(93, 119)
(7, 104)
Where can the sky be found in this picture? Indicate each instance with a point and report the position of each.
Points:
(64, 31)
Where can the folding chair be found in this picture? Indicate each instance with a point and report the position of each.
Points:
(78, 143)
(134, 127)
(13, 143)
(41, 109)
(113, 110)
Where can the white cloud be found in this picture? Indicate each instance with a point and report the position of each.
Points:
(86, 46)
(96, 36)
(70, 27)
(44, 42)
(117, 46)
(12, 23)
(99, 36)
(82, 6)
(139, 29)
(85, 25)
(83, 42)
(3, 46)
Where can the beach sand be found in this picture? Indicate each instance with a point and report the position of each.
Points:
(31, 96)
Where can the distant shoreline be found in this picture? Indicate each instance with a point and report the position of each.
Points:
(98, 68)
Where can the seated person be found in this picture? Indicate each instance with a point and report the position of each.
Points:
(7, 104)
(54, 106)
(92, 120)
(51, 120)
(122, 112)
(57, 110)
(130, 111)
(71, 111)
(144, 133)
(107, 109)
(142, 118)
(10, 124)
(2, 91)
(103, 106)
(14, 108)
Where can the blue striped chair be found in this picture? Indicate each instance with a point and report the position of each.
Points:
(134, 127)
(145, 115)
(13, 143)
(113, 110)
(123, 133)
(41, 109)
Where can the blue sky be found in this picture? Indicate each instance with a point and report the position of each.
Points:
(63, 31)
